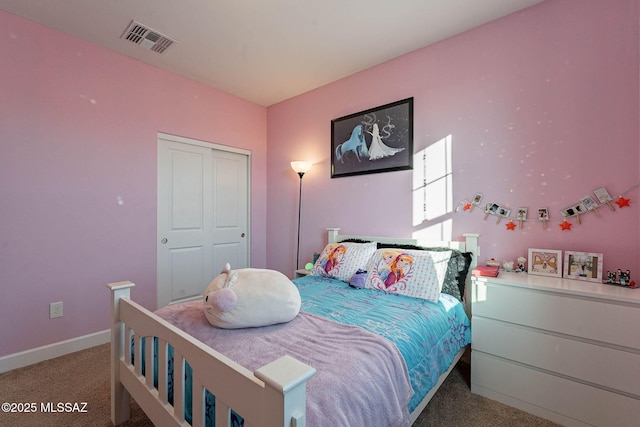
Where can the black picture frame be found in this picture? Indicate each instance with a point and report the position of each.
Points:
(358, 148)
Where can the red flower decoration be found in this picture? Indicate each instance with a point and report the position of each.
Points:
(622, 202)
(511, 225)
(565, 225)
(467, 206)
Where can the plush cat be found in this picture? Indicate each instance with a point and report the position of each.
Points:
(250, 297)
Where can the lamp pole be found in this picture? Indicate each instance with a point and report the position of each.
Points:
(301, 174)
(300, 168)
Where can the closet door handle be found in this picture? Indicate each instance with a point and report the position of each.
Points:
(164, 241)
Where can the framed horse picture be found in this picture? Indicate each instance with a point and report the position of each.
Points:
(375, 140)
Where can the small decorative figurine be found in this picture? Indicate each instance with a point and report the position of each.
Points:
(522, 264)
(621, 278)
(492, 262)
(507, 265)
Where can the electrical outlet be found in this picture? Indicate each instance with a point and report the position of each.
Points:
(55, 310)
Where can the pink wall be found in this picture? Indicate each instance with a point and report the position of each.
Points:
(541, 106)
(78, 129)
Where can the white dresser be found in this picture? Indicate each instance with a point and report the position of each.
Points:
(562, 349)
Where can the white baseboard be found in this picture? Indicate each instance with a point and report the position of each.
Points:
(35, 355)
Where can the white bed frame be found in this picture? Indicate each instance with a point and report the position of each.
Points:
(274, 395)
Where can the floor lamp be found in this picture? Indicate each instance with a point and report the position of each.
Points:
(300, 168)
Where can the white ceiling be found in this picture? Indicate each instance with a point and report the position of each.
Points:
(267, 51)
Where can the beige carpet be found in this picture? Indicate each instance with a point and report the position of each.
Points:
(83, 377)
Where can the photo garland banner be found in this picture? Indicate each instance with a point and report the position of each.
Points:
(586, 205)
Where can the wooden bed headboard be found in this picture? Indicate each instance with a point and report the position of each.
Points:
(470, 244)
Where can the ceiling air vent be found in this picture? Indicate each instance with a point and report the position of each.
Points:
(147, 38)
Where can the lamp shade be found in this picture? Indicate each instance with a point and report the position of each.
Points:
(301, 167)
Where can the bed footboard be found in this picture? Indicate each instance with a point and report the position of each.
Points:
(274, 395)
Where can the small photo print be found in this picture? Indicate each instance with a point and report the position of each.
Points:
(496, 209)
(603, 195)
(492, 208)
(589, 203)
(574, 210)
(543, 214)
(503, 212)
(522, 214)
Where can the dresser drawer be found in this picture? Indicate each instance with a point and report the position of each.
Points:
(560, 399)
(592, 319)
(591, 363)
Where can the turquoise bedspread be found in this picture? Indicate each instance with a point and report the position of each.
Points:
(428, 335)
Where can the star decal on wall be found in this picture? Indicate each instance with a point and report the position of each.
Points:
(511, 225)
(565, 225)
(622, 202)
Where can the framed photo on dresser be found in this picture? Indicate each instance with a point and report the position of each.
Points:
(545, 262)
(583, 266)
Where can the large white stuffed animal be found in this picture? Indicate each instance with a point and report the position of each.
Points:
(250, 297)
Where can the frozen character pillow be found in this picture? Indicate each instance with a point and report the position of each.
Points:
(418, 274)
(342, 260)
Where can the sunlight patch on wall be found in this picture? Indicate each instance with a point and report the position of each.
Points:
(434, 233)
(432, 181)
